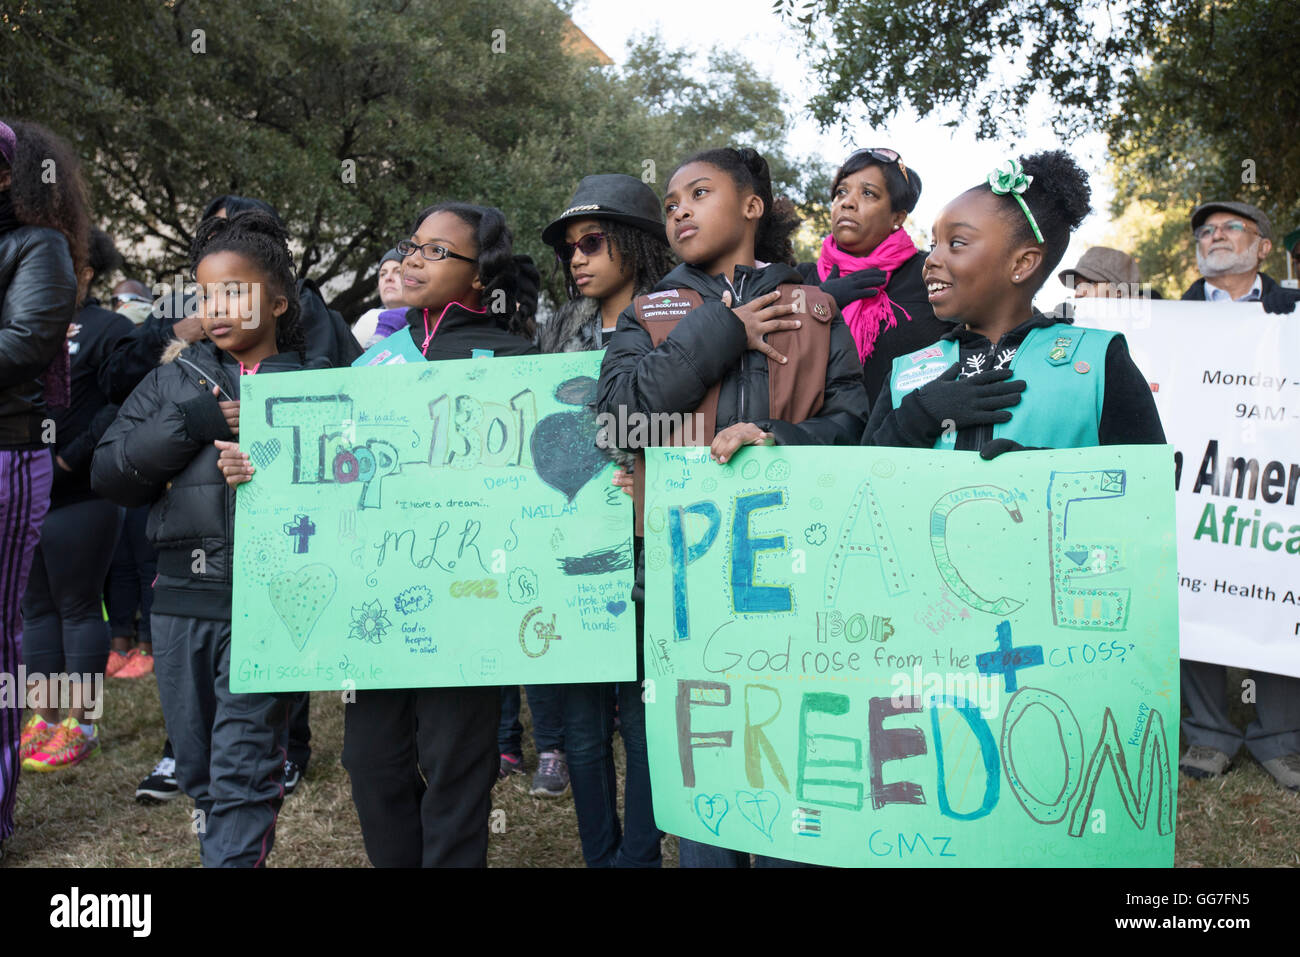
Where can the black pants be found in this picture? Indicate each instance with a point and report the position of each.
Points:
(422, 764)
(128, 588)
(65, 630)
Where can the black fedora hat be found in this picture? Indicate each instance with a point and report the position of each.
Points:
(611, 196)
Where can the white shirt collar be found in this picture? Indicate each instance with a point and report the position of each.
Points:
(1214, 294)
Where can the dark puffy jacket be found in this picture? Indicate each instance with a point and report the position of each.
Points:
(709, 345)
(38, 298)
(907, 292)
(159, 451)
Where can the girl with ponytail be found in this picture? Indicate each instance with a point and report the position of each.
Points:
(422, 761)
(733, 339)
(172, 446)
(1009, 377)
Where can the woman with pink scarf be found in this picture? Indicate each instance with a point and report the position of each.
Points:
(872, 267)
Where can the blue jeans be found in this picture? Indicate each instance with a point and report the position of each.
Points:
(695, 854)
(589, 733)
(547, 705)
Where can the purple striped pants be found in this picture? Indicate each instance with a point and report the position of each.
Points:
(25, 479)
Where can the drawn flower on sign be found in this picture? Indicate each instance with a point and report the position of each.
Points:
(815, 534)
(369, 623)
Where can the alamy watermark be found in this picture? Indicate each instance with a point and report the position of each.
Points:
(36, 691)
(639, 430)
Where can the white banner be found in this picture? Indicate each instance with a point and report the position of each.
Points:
(1226, 378)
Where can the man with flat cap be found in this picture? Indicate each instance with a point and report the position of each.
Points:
(1232, 239)
(1103, 273)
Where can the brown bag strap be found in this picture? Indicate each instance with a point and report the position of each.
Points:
(659, 313)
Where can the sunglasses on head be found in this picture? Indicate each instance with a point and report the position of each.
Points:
(589, 244)
(883, 155)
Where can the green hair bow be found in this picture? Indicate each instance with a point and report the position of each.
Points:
(1010, 177)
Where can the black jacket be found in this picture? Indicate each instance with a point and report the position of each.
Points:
(78, 428)
(709, 345)
(906, 290)
(38, 298)
(136, 355)
(462, 331)
(1128, 412)
(159, 451)
(1196, 291)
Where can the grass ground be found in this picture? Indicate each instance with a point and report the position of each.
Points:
(87, 817)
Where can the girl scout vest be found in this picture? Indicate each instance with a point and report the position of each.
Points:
(795, 390)
(1065, 367)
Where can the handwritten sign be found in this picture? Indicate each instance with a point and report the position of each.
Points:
(887, 657)
(429, 524)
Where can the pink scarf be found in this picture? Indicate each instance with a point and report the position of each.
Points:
(867, 317)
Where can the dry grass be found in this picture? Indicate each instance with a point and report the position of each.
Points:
(87, 817)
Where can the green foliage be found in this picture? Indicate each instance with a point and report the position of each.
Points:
(351, 115)
(1186, 90)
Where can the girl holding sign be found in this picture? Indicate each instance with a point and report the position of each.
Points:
(611, 239)
(1009, 377)
(732, 339)
(167, 447)
(423, 761)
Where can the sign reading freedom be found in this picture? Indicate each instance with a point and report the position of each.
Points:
(428, 525)
(891, 657)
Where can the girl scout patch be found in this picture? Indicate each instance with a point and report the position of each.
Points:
(1061, 350)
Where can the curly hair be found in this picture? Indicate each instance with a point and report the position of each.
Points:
(47, 187)
(650, 258)
(749, 171)
(261, 238)
(234, 205)
(1059, 197)
(505, 276)
(103, 254)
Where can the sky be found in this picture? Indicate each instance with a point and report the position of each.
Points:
(949, 159)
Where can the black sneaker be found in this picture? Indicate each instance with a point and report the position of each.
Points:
(160, 785)
(292, 775)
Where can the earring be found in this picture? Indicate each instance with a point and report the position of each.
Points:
(895, 228)
(1016, 277)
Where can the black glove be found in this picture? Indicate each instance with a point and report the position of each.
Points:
(1279, 299)
(956, 403)
(995, 448)
(862, 284)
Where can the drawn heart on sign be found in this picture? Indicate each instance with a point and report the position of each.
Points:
(264, 453)
(711, 809)
(300, 596)
(759, 809)
(563, 444)
(1077, 557)
(616, 608)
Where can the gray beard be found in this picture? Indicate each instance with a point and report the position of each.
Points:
(1226, 263)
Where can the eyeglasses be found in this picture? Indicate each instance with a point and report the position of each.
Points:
(884, 155)
(129, 297)
(430, 251)
(1232, 227)
(589, 244)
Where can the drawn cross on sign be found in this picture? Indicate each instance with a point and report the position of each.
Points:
(301, 528)
(1007, 660)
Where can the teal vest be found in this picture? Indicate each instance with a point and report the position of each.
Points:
(1065, 368)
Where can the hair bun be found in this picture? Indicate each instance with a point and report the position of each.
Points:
(1061, 183)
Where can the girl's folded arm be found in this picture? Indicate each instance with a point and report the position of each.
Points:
(148, 444)
(905, 427)
(674, 376)
(1128, 410)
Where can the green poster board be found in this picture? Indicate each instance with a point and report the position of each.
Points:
(429, 524)
(887, 657)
